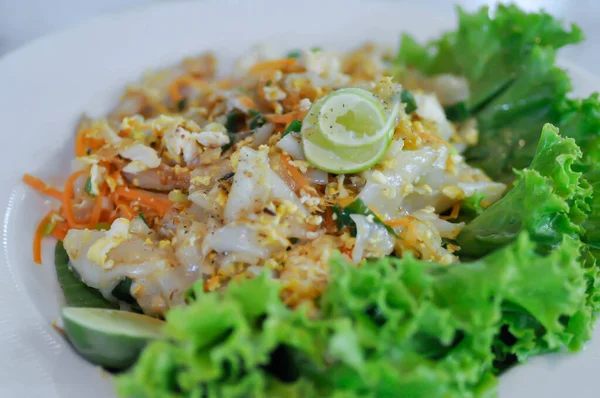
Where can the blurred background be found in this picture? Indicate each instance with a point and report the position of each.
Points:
(25, 20)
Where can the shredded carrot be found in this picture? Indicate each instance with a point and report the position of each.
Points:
(181, 82)
(286, 117)
(37, 240)
(68, 195)
(96, 212)
(123, 207)
(42, 187)
(60, 230)
(161, 205)
(329, 221)
(248, 102)
(84, 144)
(398, 222)
(376, 212)
(300, 181)
(453, 214)
(274, 64)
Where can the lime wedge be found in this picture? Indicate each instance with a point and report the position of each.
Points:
(352, 117)
(321, 148)
(109, 338)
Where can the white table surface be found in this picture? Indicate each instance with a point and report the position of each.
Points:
(25, 20)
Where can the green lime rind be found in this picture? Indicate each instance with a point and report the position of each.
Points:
(110, 338)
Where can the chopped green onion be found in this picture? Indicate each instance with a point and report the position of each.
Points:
(88, 187)
(294, 54)
(316, 49)
(230, 143)
(181, 104)
(177, 196)
(293, 241)
(457, 112)
(407, 98)
(232, 121)
(102, 226)
(141, 215)
(295, 126)
(258, 119)
(49, 227)
(343, 220)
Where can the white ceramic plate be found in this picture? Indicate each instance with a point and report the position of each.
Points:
(44, 88)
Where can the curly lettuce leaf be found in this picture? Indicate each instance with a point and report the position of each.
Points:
(490, 52)
(548, 200)
(393, 327)
(515, 87)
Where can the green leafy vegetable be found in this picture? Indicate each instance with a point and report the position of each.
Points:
(102, 226)
(257, 119)
(547, 200)
(77, 293)
(343, 219)
(122, 292)
(141, 215)
(181, 104)
(394, 327)
(232, 139)
(457, 112)
(473, 204)
(88, 187)
(514, 85)
(407, 98)
(232, 122)
(294, 54)
(295, 126)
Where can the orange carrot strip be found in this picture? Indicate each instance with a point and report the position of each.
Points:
(123, 207)
(398, 222)
(286, 117)
(300, 180)
(96, 212)
(329, 221)
(181, 82)
(83, 143)
(161, 205)
(37, 239)
(60, 231)
(274, 64)
(68, 195)
(42, 187)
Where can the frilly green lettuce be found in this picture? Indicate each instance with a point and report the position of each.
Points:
(514, 84)
(548, 200)
(393, 327)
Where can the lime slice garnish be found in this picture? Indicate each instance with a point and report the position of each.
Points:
(341, 160)
(352, 117)
(109, 338)
(324, 153)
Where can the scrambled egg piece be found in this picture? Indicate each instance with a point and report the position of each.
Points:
(117, 234)
(142, 158)
(97, 176)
